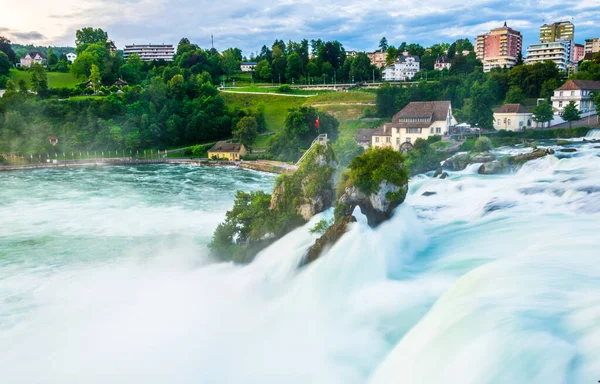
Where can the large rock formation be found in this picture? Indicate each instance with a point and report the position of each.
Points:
(309, 190)
(378, 206)
(461, 161)
(525, 157)
(494, 168)
(377, 182)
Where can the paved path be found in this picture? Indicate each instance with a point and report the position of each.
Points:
(267, 93)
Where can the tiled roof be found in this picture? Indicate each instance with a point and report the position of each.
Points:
(434, 110)
(364, 135)
(402, 58)
(32, 54)
(223, 146)
(384, 130)
(573, 85)
(512, 108)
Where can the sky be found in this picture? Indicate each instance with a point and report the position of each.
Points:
(358, 25)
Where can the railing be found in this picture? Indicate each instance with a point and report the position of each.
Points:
(321, 139)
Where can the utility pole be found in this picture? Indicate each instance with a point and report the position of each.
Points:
(212, 41)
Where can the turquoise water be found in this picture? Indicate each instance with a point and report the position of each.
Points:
(104, 277)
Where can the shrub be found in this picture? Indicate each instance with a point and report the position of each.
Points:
(321, 227)
(483, 144)
(285, 89)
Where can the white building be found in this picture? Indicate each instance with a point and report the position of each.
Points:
(247, 66)
(150, 52)
(404, 68)
(441, 63)
(418, 120)
(512, 117)
(557, 51)
(71, 57)
(579, 91)
(32, 58)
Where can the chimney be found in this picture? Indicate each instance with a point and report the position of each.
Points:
(385, 129)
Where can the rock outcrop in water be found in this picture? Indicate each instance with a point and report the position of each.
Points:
(330, 237)
(461, 161)
(494, 168)
(258, 219)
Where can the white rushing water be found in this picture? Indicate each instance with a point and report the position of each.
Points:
(104, 278)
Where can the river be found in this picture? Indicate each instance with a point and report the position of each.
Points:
(105, 277)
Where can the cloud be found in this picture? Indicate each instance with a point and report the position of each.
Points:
(249, 24)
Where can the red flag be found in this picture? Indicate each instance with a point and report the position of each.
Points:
(317, 123)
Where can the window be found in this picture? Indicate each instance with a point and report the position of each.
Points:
(560, 104)
(438, 130)
(377, 139)
(509, 122)
(408, 139)
(560, 93)
(572, 93)
(397, 140)
(387, 139)
(431, 130)
(520, 123)
(499, 122)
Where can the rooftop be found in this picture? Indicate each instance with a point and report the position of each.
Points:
(223, 146)
(512, 108)
(572, 85)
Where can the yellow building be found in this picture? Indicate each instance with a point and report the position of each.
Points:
(229, 151)
(382, 136)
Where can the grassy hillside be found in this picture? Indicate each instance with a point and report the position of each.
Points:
(55, 79)
(348, 107)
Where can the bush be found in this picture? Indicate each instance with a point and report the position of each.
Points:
(285, 89)
(434, 139)
(321, 227)
(483, 144)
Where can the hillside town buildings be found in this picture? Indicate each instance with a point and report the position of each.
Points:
(558, 51)
(579, 91)
(377, 58)
(499, 48)
(32, 58)
(71, 57)
(441, 63)
(578, 52)
(247, 66)
(404, 68)
(592, 45)
(150, 52)
(418, 120)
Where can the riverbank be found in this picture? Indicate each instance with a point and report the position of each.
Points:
(263, 166)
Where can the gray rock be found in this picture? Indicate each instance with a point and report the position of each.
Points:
(438, 172)
(493, 168)
(525, 157)
(568, 150)
(428, 193)
(444, 175)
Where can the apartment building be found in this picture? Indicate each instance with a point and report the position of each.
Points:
(150, 52)
(558, 51)
(499, 48)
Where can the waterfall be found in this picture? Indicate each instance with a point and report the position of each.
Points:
(593, 134)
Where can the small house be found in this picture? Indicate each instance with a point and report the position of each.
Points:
(228, 151)
(120, 83)
(512, 117)
(32, 58)
(247, 66)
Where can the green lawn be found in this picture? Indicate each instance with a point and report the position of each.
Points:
(55, 79)
(345, 106)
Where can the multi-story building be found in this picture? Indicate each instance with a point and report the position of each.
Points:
(592, 45)
(499, 48)
(247, 66)
(557, 51)
(578, 52)
(559, 31)
(150, 52)
(418, 120)
(404, 68)
(32, 58)
(377, 58)
(579, 91)
(441, 63)
(562, 30)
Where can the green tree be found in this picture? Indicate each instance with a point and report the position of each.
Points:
(5, 64)
(246, 130)
(360, 68)
(95, 77)
(87, 36)
(39, 79)
(571, 113)
(230, 61)
(480, 108)
(392, 55)
(279, 63)
(6, 47)
(263, 70)
(294, 66)
(383, 44)
(514, 95)
(346, 149)
(543, 113)
(51, 58)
